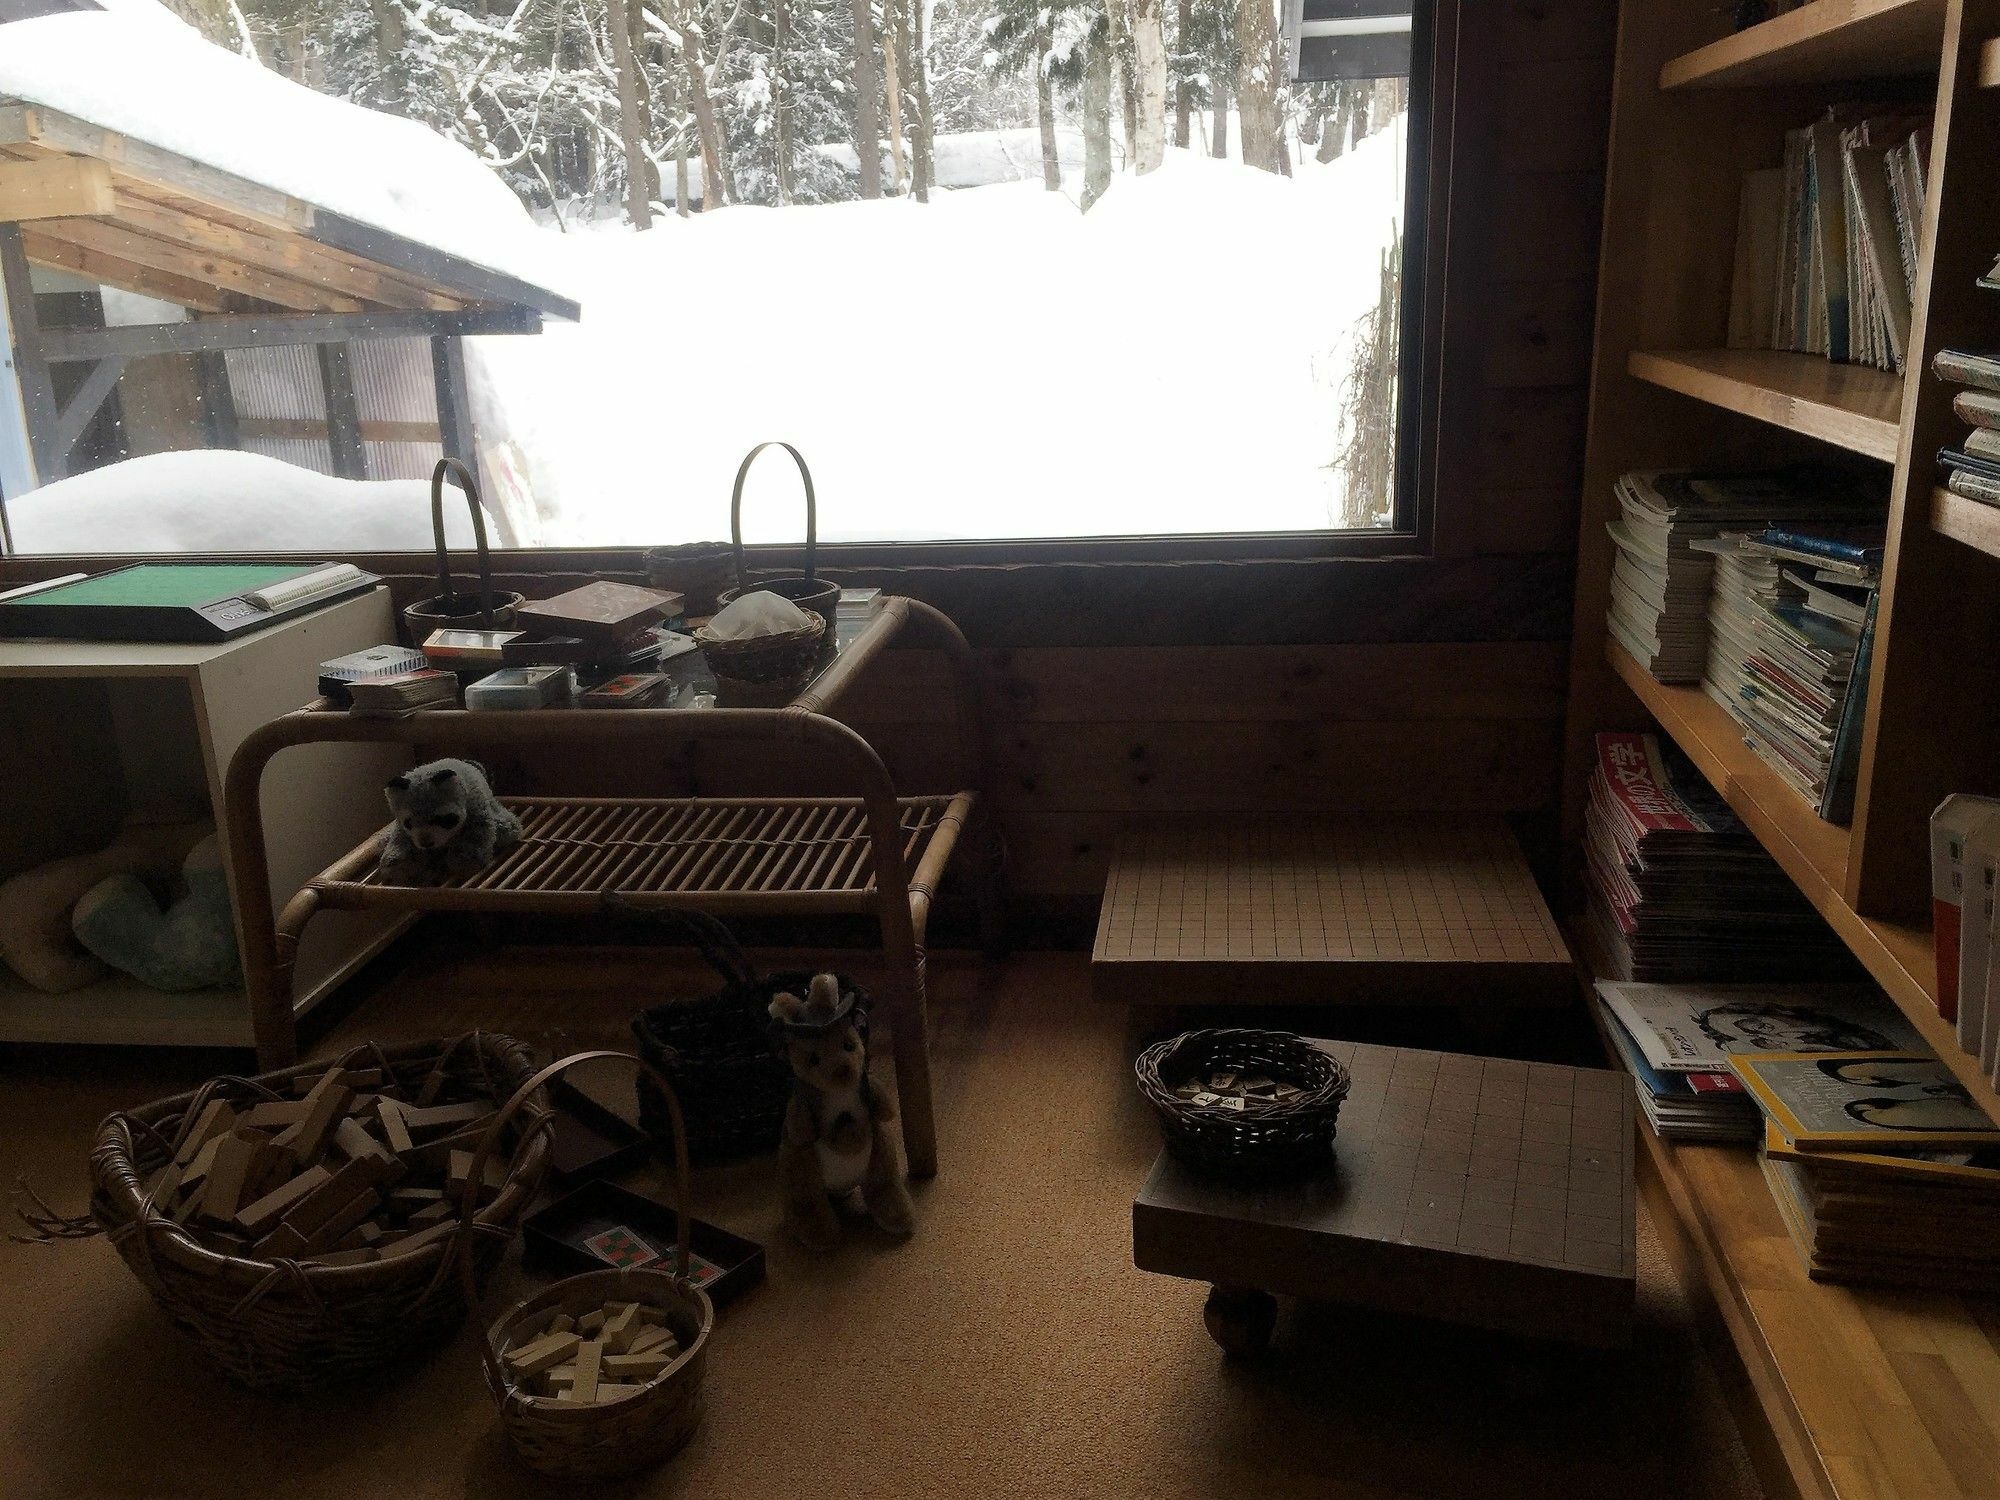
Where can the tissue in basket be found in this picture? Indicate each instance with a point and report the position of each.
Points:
(762, 640)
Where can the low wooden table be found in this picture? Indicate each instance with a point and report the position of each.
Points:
(1474, 1190)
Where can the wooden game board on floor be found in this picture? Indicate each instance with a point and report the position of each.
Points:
(1428, 909)
(1476, 1190)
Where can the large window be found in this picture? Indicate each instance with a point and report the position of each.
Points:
(1000, 269)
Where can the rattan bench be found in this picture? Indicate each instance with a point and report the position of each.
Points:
(871, 852)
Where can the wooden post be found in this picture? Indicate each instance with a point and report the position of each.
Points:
(85, 403)
(454, 402)
(218, 401)
(36, 400)
(343, 414)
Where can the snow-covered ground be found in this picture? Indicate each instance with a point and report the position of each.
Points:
(992, 364)
(206, 501)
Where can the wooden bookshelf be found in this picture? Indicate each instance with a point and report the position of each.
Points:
(1850, 406)
(1848, 1393)
(1821, 40)
(1966, 521)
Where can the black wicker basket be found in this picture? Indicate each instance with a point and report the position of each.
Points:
(1245, 1137)
(716, 1049)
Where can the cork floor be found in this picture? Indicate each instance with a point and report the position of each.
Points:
(1010, 1349)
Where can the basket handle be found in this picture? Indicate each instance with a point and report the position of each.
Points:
(471, 487)
(710, 938)
(684, 1206)
(736, 509)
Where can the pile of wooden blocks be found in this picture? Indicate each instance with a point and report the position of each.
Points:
(609, 1352)
(348, 1171)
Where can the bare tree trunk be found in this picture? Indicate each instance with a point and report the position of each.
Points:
(1184, 89)
(631, 131)
(1257, 84)
(1096, 122)
(680, 146)
(924, 142)
(895, 64)
(649, 124)
(718, 181)
(867, 103)
(1339, 128)
(1045, 111)
(1119, 14)
(781, 101)
(389, 32)
(1149, 68)
(1220, 150)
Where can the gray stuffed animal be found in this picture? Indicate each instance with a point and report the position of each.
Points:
(448, 824)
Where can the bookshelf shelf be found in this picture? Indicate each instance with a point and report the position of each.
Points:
(1932, 1360)
(1821, 40)
(1966, 521)
(1988, 74)
(1850, 406)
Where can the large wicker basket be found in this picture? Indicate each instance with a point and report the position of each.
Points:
(716, 1049)
(1250, 1139)
(568, 1440)
(288, 1325)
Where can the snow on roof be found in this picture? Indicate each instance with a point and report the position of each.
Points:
(139, 71)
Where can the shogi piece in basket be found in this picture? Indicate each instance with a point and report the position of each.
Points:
(291, 1324)
(716, 1049)
(1243, 1104)
(649, 1417)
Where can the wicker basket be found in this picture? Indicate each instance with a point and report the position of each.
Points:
(810, 592)
(772, 663)
(568, 1440)
(716, 1049)
(697, 571)
(1268, 1138)
(288, 1325)
(450, 610)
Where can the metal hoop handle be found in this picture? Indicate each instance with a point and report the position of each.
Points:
(471, 487)
(467, 1231)
(736, 509)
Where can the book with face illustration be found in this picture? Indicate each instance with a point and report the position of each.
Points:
(1883, 1101)
(1696, 1028)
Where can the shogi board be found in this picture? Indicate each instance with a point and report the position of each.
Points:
(1475, 1190)
(1385, 910)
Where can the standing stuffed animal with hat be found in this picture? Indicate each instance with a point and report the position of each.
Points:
(836, 1144)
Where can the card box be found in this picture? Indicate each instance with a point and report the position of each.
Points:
(554, 1239)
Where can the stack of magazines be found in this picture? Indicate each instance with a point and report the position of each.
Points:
(1677, 1041)
(1883, 1167)
(1790, 641)
(1667, 522)
(1973, 468)
(1679, 890)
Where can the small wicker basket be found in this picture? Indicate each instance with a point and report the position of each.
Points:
(287, 1325)
(448, 609)
(1252, 1139)
(770, 663)
(809, 591)
(716, 1049)
(569, 1440)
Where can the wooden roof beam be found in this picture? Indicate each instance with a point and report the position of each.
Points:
(277, 330)
(109, 270)
(208, 268)
(54, 187)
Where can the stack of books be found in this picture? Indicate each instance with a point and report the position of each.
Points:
(1660, 579)
(1677, 1041)
(1883, 1167)
(1973, 468)
(1679, 890)
(1791, 639)
(1826, 245)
